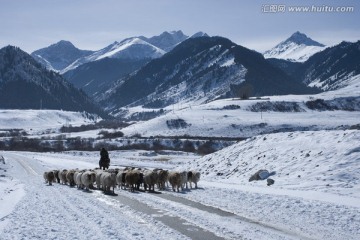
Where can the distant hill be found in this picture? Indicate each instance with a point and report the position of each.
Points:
(25, 84)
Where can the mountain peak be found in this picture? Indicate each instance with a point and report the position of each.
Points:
(166, 40)
(13, 53)
(199, 34)
(59, 55)
(297, 48)
(301, 38)
(64, 43)
(10, 48)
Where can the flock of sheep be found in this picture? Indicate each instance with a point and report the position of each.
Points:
(127, 178)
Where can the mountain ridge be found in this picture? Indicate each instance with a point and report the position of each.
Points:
(64, 56)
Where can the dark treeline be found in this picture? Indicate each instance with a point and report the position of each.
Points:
(109, 124)
(60, 143)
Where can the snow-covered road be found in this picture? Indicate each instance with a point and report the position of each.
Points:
(61, 212)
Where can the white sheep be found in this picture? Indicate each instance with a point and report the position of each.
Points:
(108, 181)
(56, 173)
(132, 178)
(98, 173)
(175, 181)
(163, 177)
(49, 177)
(193, 177)
(150, 179)
(70, 177)
(87, 179)
(62, 176)
(77, 179)
(184, 180)
(120, 179)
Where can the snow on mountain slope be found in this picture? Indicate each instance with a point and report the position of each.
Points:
(297, 48)
(348, 82)
(197, 88)
(42, 119)
(331, 69)
(132, 48)
(293, 52)
(44, 62)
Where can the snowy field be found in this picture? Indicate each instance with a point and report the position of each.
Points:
(316, 194)
(35, 121)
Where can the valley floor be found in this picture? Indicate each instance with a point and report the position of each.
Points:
(218, 209)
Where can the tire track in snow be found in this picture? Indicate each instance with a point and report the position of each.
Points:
(25, 165)
(210, 219)
(223, 213)
(175, 222)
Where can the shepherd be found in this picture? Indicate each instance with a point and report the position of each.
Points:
(104, 162)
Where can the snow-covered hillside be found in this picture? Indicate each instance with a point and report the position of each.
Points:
(246, 118)
(297, 48)
(325, 161)
(36, 120)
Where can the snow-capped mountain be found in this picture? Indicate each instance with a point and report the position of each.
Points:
(95, 73)
(297, 48)
(131, 48)
(25, 84)
(332, 68)
(59, 55)
(201, 69)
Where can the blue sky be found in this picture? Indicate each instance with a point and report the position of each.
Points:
(94, 24)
